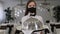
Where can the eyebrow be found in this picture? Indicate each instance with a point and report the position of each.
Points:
(30, 5)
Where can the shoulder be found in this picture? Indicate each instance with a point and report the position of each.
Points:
(24, 18)
(37, 16)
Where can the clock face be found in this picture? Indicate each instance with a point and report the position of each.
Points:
(32, 24)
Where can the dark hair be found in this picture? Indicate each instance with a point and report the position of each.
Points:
(26, 12)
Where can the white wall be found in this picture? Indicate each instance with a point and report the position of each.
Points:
(2, 13)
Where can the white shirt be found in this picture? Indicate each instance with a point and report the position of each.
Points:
(27, 17)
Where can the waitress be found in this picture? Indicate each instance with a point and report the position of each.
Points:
(31, 12)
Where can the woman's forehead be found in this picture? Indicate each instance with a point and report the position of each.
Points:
(32, 3)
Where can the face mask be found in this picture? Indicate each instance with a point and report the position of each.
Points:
(32, 9)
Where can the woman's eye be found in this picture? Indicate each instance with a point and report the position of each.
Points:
(34, 6)
(29, 6)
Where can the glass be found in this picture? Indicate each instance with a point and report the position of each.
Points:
(32, 24)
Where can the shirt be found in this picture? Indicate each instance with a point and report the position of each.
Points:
(28, 16)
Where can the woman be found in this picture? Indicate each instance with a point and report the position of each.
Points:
(31, 11)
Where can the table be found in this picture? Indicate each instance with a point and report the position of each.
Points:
(18, 30)
(57, 25)
(3, 31)
(5, 26)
